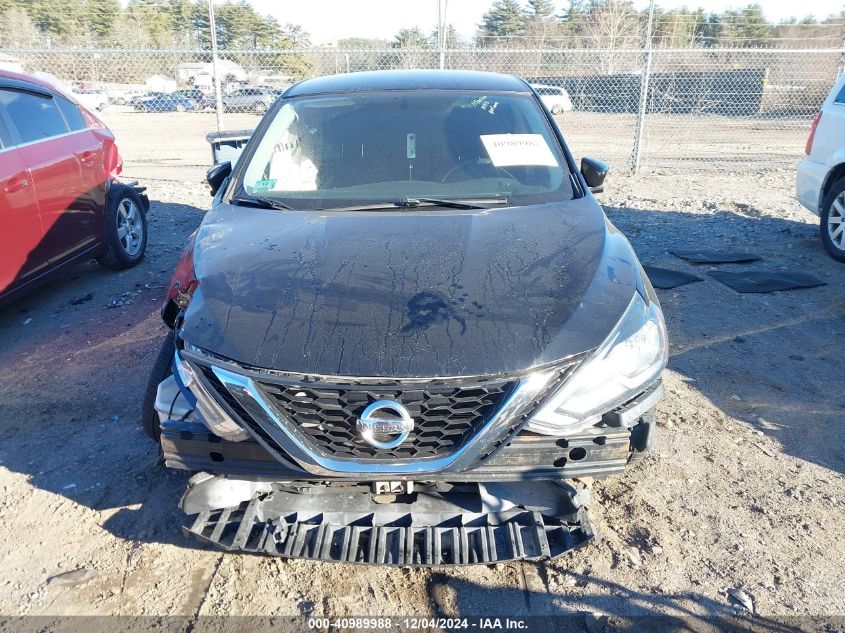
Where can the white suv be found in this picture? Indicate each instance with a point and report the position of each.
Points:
(820, 183)
(555, 98)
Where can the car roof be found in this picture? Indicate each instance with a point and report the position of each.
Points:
(409, 80)
(11, 79)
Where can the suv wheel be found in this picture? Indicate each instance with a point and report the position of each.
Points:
(832, 222)
(162, 368)
(126, 228)
(260, 107)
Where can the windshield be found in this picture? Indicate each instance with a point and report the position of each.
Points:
(334, 151)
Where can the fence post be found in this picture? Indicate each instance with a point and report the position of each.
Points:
(218, 95)
(441, 37)
(841, 61)
(646, 76)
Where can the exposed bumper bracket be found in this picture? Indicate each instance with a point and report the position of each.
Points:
(629, 414)
(466, 524)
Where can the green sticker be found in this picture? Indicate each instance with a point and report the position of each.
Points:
(265, 184)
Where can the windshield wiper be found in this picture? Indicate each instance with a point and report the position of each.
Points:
(469, 203)
(261, 203)
(413, 203)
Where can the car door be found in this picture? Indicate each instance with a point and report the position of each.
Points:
(54, 156)
(93, 186)
(236, 99)
(827, 142)
(20, 223)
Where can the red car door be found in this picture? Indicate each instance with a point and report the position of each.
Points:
(20, 224)
(54, 156)
(93, 151)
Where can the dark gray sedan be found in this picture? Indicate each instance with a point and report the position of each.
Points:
(405, 332)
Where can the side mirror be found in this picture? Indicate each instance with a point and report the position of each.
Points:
(594, 172)
(218, 174)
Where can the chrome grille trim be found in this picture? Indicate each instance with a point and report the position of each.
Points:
(286, 434)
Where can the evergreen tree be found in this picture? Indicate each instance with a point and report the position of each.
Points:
(746, 27)
(539, 10)
(674, 28)
(181, 18)
(56, 17)
(100, 15)
(201, 24)
(154, 21)
(8, 5)
(236, 25)
(571, 20)
(506, 18)
(540, 22)
(711, 30)
(451, 36)
(410, 38)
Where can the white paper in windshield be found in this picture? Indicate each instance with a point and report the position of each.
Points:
(518, 149)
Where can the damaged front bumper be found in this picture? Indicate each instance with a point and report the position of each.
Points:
(434, 525)
(520, 500)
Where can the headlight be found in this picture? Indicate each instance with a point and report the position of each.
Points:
(214, 417)
(629, 360)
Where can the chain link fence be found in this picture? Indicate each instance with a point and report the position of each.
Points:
(658, 109)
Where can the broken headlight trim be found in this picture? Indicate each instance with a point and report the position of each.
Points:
(628, 361)
(184, 282)
(213, 416)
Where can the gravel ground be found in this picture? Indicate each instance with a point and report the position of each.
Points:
(744, 490)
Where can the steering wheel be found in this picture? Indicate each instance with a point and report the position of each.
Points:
(476, 162)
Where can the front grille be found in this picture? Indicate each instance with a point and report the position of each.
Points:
(445, 417)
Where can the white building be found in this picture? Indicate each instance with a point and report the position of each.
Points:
(201, 74)
(160, 83)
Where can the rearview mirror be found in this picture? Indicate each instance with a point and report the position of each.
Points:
(218, 174)
(594, 172)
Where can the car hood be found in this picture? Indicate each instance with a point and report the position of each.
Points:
(402, 293)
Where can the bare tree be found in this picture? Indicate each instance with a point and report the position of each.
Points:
(612, 25)
(541, 24)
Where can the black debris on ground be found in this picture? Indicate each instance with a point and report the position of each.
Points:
(765, 280)
(665, 278)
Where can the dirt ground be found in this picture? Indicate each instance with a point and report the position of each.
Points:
(745, 489)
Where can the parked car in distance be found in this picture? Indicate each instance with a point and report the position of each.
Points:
(164, 103)
(555, 98)
(199, 98)
(144, 96)
(124, 96)
(404, 330)
(60, 200)
(250, 99)
(820, 180)
(91, 99)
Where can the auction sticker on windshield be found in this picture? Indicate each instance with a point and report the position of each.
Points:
(510, 150)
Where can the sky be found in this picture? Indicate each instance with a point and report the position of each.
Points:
(330, 20)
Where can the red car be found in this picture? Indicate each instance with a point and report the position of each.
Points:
(60, 202)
